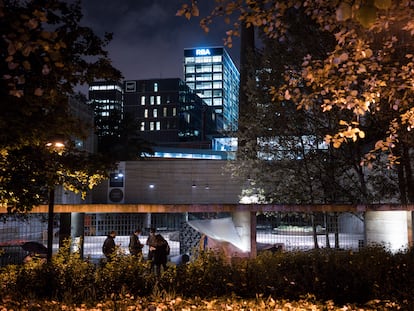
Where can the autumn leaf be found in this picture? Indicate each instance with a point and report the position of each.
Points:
(38, 92)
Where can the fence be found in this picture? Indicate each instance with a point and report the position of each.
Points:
(274, 230)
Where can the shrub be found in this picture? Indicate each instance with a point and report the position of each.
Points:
(336, 275)
(73, 277)
(208, 275)
(124, 274)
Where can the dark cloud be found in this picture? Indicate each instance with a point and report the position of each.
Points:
(149, 39)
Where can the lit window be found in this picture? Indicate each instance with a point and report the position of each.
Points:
(217, 85)
(155, 113)
(207, 93)
(189, 60)
(146, 113)
(190, 78)
(217, 101)
(158, 100)
(164, 112)
(217, 68)
(203, 85)
(158, 126)
(216, 58)
(190, 69)
(142, 126)
(203, 68)
(203, 77)
(217, 76)
(143, 100)
(217, 93)
(155, 87)
(151, 126)
(174, 112)
(152, 100)
(204, 59)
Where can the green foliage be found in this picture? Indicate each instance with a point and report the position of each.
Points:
(339, 276)
(208, 275)
(123, 275)
(45, 54)
(73, 275)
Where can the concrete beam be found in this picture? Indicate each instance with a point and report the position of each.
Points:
(203, 208)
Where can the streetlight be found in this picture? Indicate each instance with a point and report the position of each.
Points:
(58, 147)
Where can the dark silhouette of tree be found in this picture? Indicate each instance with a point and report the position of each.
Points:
(127, 145)
(44, 54)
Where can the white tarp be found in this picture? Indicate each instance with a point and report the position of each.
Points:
(221, 229)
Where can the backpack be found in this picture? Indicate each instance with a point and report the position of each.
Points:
(163, 242)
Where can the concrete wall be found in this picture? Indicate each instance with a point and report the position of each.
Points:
(175, 181)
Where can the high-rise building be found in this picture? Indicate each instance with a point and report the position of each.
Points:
(211, 72)
(168, 113)
(106, 99)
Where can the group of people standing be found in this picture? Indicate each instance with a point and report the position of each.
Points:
(158, 248)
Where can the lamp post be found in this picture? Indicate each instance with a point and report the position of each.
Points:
(50, 223)
(56, 146)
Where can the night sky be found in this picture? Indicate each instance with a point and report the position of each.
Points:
(149, 38)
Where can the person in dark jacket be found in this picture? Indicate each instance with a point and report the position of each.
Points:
(161, 253)
(135, 245)
(108, 247)
(152, 244)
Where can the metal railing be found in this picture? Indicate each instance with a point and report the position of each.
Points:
(274, 231)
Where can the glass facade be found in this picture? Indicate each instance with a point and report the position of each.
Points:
(106, 99)
(168, 111)
(212, 74)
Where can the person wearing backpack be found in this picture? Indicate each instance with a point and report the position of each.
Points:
(161, 252)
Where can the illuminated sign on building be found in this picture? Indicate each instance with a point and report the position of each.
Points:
(203, 52)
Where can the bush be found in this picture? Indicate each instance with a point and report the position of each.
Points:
(124, 274)
(335, 275)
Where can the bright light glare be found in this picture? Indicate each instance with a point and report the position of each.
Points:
(55, 144)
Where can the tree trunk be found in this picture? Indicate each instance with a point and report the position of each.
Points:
(247, 49)
(406, 161)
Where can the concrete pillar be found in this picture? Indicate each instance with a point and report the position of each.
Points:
(72, 226)
(388, 228)
(253, 244)
(64, 228)
(242, 223)
(78, 232)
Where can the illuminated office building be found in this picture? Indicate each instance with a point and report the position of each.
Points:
(213, 75)
(106, 99)
(168, 113)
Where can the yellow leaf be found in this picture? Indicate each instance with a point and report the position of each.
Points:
(27, 65)
(343, 12)
(38, 92)
(195, 11)
(383, 4)
(343, 57)
(366, 15)
(287, 95)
